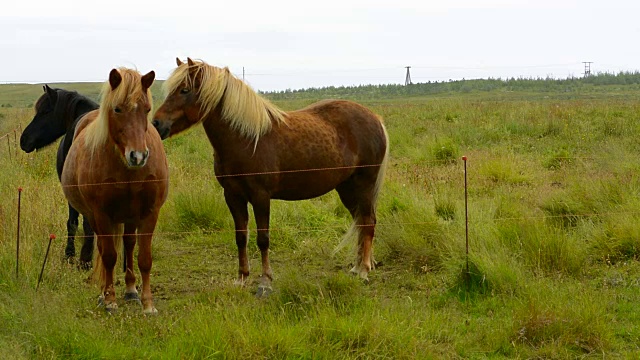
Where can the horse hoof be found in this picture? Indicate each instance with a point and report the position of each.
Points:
(84, 265)
(151, 311)
(111, 308)
(361, 274)
(264, 291)
(132, 297)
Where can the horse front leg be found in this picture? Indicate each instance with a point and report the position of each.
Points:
(129, 239)
(106, 233)
(145, 261)
(238, 207)
(261, 211)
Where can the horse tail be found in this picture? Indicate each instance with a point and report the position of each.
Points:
(354, 229)
(383, 166)
(99, 274)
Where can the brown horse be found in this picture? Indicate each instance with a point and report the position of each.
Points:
(116, 175)
(264, 153)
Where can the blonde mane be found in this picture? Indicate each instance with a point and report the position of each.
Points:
(245, 110)
(126, 96)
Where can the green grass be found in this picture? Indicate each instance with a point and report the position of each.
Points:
(554, 268)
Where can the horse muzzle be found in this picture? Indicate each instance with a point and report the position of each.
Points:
(26, 145)
(136, 159)
(163, 129)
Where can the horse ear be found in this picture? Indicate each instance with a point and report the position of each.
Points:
(190, 62)
(114, 79)
(49, 91)
(178, 61)
(147, 80)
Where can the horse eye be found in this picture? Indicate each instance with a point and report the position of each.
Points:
(184, 90)
(117, 110)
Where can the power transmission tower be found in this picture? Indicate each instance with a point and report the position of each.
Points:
(587, 68)
(407, 80)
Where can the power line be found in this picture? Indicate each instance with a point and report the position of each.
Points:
(321, 72)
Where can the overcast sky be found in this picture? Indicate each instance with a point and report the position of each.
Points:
(300, 44)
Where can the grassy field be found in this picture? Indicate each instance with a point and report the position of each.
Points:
(554, 199)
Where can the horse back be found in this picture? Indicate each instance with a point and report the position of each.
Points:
(317, 148)
(338, 126)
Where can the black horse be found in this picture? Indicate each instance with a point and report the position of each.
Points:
(57, 113)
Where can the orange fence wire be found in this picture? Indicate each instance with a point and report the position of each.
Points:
(297, 228)
(324, 228)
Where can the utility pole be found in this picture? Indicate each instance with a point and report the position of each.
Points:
(407, 80)
(243, 74)
(587, 68)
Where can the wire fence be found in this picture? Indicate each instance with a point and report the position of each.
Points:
(9, 136)
(15, 131)
(13, 150)
(287, 227)
(310, 229)
(325, 227)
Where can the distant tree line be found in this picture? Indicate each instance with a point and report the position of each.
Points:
(548, 84)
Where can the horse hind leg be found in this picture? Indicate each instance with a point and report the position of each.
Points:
(261, 212)
(366, 230)
(362, 208)
(72, 228)
(86, 253)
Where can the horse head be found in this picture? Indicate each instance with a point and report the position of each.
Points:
(126, 113)
(46, 126)
(181, 108)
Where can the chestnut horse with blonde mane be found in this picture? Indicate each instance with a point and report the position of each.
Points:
(116, 175)
(263, 153)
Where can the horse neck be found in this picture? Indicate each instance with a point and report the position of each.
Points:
(77, 109)
(82, 106)
(226, 141)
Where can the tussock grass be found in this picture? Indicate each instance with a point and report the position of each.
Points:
(563, 323)
(200, 207)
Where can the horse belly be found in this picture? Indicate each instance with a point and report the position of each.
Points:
(308, 184)
(69, 181)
